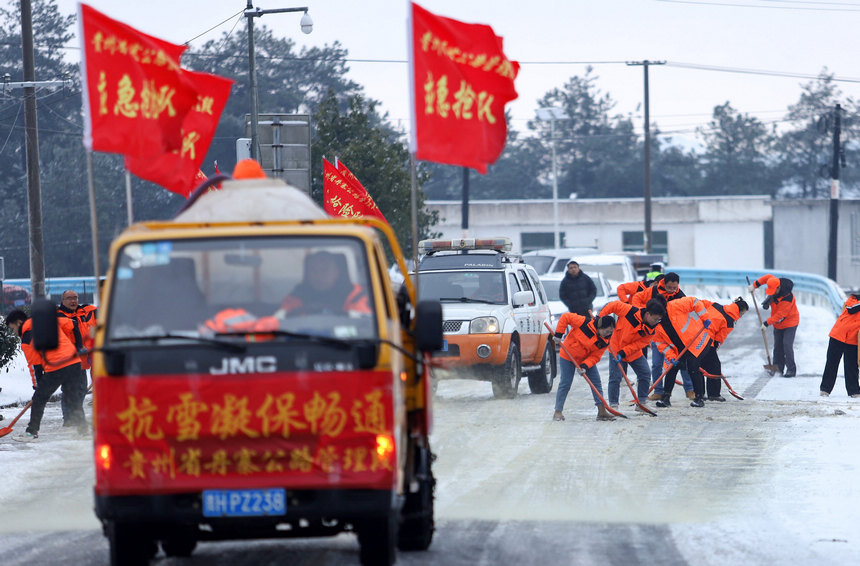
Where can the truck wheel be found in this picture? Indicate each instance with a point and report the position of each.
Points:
(377, 540)
(507, 381)
(130, 544)
(179, 546)
(540, 380)
(416, 525)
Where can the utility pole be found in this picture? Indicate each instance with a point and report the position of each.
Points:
(646, 187)
(31, 143)
(307, 26)
(838, 157)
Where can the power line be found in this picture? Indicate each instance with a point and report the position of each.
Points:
(726, 4)
(215, 26)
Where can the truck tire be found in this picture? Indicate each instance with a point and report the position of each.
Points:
(416, 524)
(130, 544)
(507, 379)
(179, 546)
(377, 540)
(540, 380)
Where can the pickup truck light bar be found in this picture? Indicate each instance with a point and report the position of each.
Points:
(501, 244)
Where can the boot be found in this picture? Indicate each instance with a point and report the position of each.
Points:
(691, 394)
(654, 396)
(557, 416)
(603, 414)
(697, 402)
(639, 409)
(716, 398)
(664, 401)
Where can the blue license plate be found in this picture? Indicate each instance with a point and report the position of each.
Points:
(244, 502)
(444, 346)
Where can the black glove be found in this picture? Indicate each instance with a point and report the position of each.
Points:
(584, 368)
(559, 335)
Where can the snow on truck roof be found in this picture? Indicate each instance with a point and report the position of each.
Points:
(252, 200)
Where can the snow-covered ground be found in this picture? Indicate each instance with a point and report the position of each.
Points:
(767, 480)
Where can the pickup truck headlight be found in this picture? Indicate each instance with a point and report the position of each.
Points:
(485, 325)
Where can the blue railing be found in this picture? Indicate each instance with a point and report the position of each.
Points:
(54, 286)
(808, 288)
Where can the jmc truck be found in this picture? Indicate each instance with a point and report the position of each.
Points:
(230, 402)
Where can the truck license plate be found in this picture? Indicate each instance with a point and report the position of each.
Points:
(244, 502)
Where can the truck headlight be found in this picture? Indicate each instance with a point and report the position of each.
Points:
(484, 325)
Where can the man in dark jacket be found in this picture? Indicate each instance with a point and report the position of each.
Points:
(577, 290)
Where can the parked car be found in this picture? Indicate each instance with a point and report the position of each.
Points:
(552, 281)
(554, 260)
(15, 297)
(615, 267)
(642, 262)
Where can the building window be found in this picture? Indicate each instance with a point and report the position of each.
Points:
(635, 242)
(530, 241)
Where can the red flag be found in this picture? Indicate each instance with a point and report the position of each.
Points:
(343, 198)
(176, 170)
(135, 94)
(461, 81)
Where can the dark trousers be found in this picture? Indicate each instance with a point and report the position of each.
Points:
(710, 362)
(838, 350)
(66, 378)
(783, 349)
(690, 363)
(67, 403)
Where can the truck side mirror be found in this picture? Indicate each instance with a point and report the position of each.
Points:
(45, 333)
(428, 326)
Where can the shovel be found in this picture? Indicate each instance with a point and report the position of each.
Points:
(769, 367)
(7, 429)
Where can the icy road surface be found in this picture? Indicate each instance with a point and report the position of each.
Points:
(772, 479)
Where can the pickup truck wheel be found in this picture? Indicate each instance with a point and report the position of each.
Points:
(130, 545)
(417, 526)
(178, 546)
(540, 380)
(507, 381)
(377, 540)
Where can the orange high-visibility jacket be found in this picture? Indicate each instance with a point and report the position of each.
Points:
(583, 341)
(85, 315)
(625, 291)
(65, 354)
(641, 298)
(848, 324)
(723, 318)
(356, 301)
(631, 333)
(680, 327)
(783, 307)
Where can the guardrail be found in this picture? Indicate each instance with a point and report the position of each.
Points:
(808, 288)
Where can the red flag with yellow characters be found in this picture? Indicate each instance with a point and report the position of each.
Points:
(177, 170)
(135, 95)
(342, 197)
(461, 81)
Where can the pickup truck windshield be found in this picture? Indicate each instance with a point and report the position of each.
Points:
(243, 285)
(463, 286)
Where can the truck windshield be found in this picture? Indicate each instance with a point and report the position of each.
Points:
(244, 285)
(463, 286)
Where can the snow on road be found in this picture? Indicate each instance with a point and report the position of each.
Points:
(766, 480)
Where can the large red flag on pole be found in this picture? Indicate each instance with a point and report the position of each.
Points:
(177, 170)
(135, 94)
(342, 197)
(460, 82)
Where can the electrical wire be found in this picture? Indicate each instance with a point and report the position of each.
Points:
(726, 4)
(216, 26)
(12, 129)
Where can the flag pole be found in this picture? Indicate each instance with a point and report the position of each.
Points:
(414, 199)
(93, 221)
(128, 197)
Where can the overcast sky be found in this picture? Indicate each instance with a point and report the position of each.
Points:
(554, 39)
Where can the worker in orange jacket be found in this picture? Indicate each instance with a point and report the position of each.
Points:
(682, 327)
(723, 319)
(667, 286)
(843, 345)
(784, 317)
(633, 333)
(50, 370)
(325, 288)
(587, 338)
(85, 317)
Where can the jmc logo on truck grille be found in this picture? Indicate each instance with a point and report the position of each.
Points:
(248, 364)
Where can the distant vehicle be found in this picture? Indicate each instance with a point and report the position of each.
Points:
(616, 268)
(552, 281)
(553, 260)
(494, 309)
(642, 262)
(15, 297)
